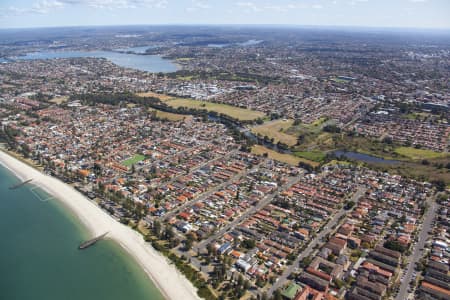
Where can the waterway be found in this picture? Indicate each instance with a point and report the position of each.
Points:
(148, 63)
(364, 157)
(40, 260)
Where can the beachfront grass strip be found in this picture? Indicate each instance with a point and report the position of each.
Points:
(133, 160)
(238, 113)
(286, 158)
(317, 156)
(276, 130)
(193, 276)
(418, 154)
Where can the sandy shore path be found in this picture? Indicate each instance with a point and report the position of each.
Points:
(172, 284)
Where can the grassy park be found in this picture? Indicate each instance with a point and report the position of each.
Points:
(161, 97)
(276, 130)
(133, 160)
(59, 100)
(317, 156)
(168, 116)
(418, 154)
(286, 158)
(241, 114)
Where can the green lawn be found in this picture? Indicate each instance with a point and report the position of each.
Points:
(232, 111)
(135, 159)
(311, 155)
(276, 130)
(417, 154)
(286, 158)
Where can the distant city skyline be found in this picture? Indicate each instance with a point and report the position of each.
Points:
(358, 13)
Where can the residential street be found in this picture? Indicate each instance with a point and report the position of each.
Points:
(249, 212)
(208, 193)
(418, 250)
(329, 227)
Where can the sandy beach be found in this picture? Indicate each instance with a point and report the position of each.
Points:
(172, 284)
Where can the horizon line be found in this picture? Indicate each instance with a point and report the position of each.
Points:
(394, 28)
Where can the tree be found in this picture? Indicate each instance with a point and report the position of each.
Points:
(388, 140)
(277, 295)
(349, 205)
(169, 234)
(211, 250)
(240, 280)
(439, 184)
(395, 245)
(156, 228)
(260, 282)
(247, 285)
(305, 262)
(248, 244)
(174, 243)
(188, 245)
(300, 139)
(332, 129)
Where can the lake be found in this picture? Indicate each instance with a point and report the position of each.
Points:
(364, 157)
(148, 63)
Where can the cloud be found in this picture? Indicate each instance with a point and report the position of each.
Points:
(47, 6)
(253, 7)
(248, 6)
(198, 5)
(121, 4)
(283, 8)
(41, 7)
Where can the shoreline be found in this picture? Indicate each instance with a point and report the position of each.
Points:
(170, 282)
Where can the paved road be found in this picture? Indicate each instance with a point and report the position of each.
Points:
(209, 192)
(172, 180)
(196, 262)
(329, 227)
(418, 250)
(246, 214)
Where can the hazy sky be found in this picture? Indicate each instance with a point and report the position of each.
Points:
(374, 13)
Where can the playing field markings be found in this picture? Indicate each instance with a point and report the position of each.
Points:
(35, 190)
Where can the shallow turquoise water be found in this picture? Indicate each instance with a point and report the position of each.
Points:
(39, 259)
